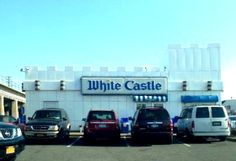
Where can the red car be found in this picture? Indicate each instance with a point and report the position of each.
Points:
(101, 124)
(11, 120)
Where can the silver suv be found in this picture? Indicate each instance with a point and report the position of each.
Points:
(49, 123)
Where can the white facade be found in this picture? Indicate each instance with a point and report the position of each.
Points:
(123, 91)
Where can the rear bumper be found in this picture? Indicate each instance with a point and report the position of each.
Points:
(17, 144)
(152, 134)
(213, 134)
(41, 134)
(102, 134)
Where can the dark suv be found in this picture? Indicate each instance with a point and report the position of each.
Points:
(11, 141)
(152, 123)
(48, 123)
(101, 124)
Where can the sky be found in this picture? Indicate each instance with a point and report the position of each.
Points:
(112, 33)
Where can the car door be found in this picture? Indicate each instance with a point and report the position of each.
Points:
(202, 121)
(181, 123)
(219, 119)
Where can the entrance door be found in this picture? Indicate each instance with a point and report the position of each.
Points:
(148, 104)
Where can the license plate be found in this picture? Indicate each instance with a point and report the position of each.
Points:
(217, 123)
(155, 126)
(40, 135)
(10, 150)
(102, 126)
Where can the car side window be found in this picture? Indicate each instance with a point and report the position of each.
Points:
(189, 113)
(202, 112)
(184, 113)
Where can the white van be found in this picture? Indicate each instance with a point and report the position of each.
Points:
(204, 121)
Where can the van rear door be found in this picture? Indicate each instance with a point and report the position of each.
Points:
(219, 119)
(202, 123)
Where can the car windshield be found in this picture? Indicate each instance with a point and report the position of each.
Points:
(47, 115)
(7, 119)
(153, 115)
(101, 115)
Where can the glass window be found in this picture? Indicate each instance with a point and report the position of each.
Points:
(217, 112)
(184, 113)
(153, 115)
(47, 115)
(189, 113)
(202, 112)
(101, 115)
(232, 118)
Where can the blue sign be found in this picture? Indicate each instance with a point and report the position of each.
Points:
(119, 85)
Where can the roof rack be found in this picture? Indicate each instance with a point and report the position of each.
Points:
(201, 104)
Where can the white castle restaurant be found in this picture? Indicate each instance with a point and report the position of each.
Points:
(193, 76)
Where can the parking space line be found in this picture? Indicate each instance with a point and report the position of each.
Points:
(187, 145)
(68, 146)
(126, 141)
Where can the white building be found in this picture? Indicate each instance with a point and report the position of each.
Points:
(230, 106)
(192, 77)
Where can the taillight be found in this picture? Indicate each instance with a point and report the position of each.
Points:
(86, 125)
(171, 125)
(193, 125)
(136, 125)
(229, 125)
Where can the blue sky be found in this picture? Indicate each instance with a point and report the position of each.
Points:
(112, 33)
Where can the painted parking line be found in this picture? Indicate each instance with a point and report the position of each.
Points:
(187, 145)
(126, 141)
(68, 146)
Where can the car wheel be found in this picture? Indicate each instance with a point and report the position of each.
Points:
(63, 136)
(178, 134)
(169, 139)
(222, 138)
(117, 138)
(87, 138)
(135, 138)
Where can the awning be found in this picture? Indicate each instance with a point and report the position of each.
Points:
(200, 99)
(150, 98)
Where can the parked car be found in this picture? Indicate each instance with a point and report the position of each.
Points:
(101, 124)
(48, 123)
(204, 121)
(232, 119)
(11, 120)
(11, 141)
(152, 123)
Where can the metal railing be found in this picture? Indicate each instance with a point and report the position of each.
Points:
(7, 81)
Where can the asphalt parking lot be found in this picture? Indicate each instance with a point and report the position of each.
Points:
(76, 149)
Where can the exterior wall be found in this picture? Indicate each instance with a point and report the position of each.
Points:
(196, 65)
(230, 106)
(193, 64)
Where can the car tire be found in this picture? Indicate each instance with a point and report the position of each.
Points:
(169, 139)
(135, 138)
(222, 138)
(117, 138)
(63, 136)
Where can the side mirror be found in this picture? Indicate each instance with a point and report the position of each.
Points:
(17, 121)
(29, 118)
(64, 119)
(131, 118)
(84, 119)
